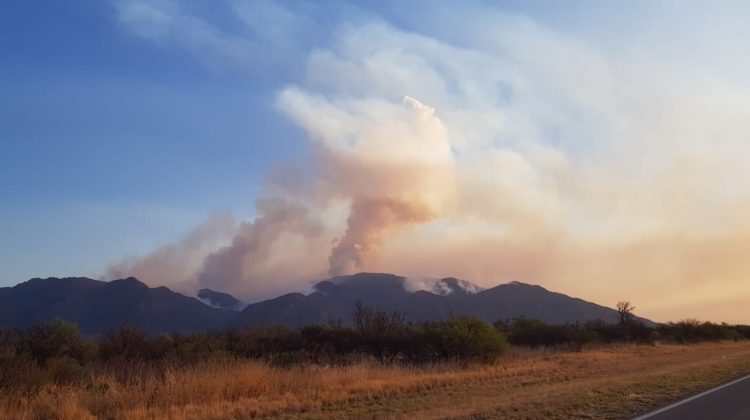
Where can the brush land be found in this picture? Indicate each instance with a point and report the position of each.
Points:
(603, 381)
(381, 367)
(610, 381)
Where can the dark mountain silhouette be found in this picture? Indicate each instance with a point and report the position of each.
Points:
(335, 298)
(220, 300)
(97, 306)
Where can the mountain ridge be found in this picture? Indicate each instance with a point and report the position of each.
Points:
(333, 299)
(97, 306)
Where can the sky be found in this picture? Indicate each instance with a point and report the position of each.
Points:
(595, 148)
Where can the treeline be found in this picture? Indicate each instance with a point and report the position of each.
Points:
(694, 331)
(55, 352)
(530, 332)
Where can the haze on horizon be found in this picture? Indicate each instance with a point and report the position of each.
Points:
(595, 148)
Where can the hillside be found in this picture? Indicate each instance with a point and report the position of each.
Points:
(334, 299)
(97, 306)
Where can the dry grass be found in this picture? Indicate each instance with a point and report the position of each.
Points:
(607, 382)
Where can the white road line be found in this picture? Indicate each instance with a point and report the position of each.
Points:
(687, 400)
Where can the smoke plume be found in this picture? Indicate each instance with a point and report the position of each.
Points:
(368, 222)
(512, 151)
(175, 264)
(391, 163)
(230, 267)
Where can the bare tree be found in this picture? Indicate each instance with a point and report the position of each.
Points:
(374, 323)
(379, 329)
(625, 312)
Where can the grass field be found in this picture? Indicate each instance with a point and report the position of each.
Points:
(605, 382)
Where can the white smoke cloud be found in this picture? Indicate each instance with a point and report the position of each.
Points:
(514, 152)
(262, 249)
(390, 162)
(175, 264)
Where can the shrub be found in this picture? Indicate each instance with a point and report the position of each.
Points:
(743, 331)
(531, 332)
(460, 339)
(21, 373)
(263, 342)
(693, 331)
(191, 348)
(634, 331)
(55, 339)
(63, 369)
(328, 343)
(382, 333)
(125, 342)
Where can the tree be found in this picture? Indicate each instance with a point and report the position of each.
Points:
(625, 312)
(55, 339)
(463, 339)
(126, 341)
(375, 323)
(381, 331)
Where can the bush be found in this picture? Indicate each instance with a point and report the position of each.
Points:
(124, 342)
(192, 348)
(327, 343)
(632, 332)
(263, 342)
(63, 369)
(459, 339)
(42, 342)
(531, 332)
(21, 373)
(743, 331)
(382, 333)
(693, 331)
(43, 353)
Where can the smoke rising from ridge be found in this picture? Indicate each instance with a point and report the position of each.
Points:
(368, 222)
(253, 243)
(175, 264)
(515, 153)
(391, 162)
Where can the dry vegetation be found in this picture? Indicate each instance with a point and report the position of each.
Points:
(603, 382)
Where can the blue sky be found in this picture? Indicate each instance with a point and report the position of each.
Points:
(110, 145)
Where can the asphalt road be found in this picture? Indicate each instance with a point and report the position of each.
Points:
(730, 401)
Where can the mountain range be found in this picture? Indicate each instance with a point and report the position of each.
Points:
(97, 306)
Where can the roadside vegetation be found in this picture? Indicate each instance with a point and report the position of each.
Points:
(41, 363)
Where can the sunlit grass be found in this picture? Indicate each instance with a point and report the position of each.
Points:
(609, 381)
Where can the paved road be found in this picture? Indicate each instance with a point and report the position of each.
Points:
(727, 402)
